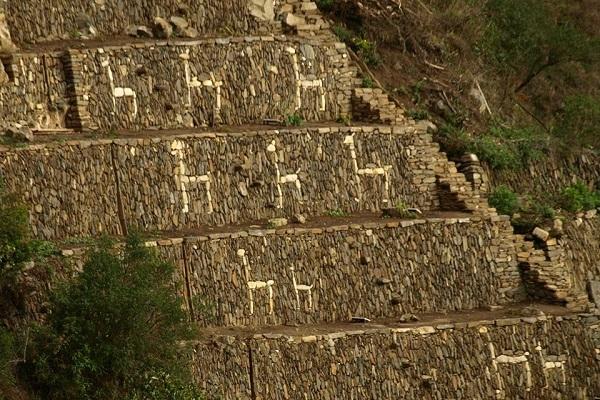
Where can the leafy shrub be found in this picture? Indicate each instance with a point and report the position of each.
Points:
(294, 120)
(418, 114)
(15, 247)
(367, 50)
(500, 147)
(325, 5)
(579, 197)
(344, 119)
(504, 200)
(367, 82)
(7, 355)
(579, 122)
(403, 210)
(114, 330)
(525, 36)
(344, 34)
(337, 213)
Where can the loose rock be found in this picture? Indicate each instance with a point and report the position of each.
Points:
(161, 28)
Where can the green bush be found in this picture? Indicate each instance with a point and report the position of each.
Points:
(579, 197)
(113, 332)
(403, 211)
(336, 213)
(325, 5)
(367, 50)
(7, 356)
(343, 33)
(504, 200)
(500, 147)
(525, 36)
(367, 82)
(418, 114)
(579, 122)
(294, 120)
(15, 246)
(16, 249)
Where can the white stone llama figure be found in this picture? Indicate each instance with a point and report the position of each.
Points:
(552, 363)
(183, 179)
(256, 285)
(119, 92)
(282, 180)
(301, 288)
(368, 171)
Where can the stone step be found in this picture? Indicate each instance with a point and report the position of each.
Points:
(328, 271)
(179, 83)
(173, 182)
(490, 357)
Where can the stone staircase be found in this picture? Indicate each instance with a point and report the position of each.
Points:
(175, 137)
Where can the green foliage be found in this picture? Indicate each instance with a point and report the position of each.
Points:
(525, 36)
(337, 213)
(367, 82)
(367, 50)
(294, 120)
(7, 356)
(343, 33)
(501, 147)
(15, 247)
(418, 114)
(579, 123)
(504, 200)
(165, 386)
(344, 119)
(579, 197)
(325, 5)
(403, 211)
(113, 331)
(534, 212)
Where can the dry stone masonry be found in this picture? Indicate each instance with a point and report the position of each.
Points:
(178, 182)
(152, 114)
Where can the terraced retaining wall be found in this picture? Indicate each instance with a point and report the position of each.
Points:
(519, 358)
(549, 176)
(180, 84)
(32, 20)
(85, 188)
(229, 81)
(374, 270)
(301, 275)
(34, 88)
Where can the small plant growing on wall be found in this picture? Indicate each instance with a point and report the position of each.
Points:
(404, 211)
(344, 119)
(294, 120)
(504, 200)
(336, 213)
(367, 82)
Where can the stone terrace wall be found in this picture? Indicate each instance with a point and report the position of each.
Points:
(230, 81)
(70, 188)
(372, 270)
(581, 247)
(186, 182)
(550, 175)
(33, 88)
(582, 244)
(509, 359)
(34, 20)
